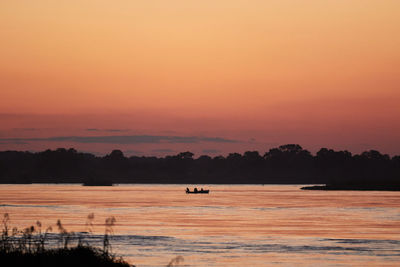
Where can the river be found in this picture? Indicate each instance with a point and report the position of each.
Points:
(234, 225)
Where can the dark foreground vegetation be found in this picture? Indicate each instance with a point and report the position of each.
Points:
(80, 256)
(31, 247)
(287, 164)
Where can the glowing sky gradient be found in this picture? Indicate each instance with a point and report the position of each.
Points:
(261, 73)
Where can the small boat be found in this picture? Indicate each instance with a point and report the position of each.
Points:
(195, 191)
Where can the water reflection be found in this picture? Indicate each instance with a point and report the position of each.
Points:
(241, 225)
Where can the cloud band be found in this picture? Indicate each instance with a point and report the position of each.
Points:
(124, 139)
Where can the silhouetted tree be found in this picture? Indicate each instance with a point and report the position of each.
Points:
(285, 164)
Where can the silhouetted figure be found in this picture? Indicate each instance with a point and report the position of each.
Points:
(187, 190)
(195, 189)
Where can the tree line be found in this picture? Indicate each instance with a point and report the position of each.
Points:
(286, 164)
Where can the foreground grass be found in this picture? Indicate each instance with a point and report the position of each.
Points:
(30, 248)
(85, 256)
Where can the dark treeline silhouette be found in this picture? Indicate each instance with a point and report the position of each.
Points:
(287, 164)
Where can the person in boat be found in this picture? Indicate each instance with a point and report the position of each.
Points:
(187, 190)
(195, 189)
(201, 190)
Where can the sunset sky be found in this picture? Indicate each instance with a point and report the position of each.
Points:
(159, 77)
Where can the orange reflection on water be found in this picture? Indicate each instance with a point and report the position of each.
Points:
(265, 225)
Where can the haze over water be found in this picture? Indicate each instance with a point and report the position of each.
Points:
(235, 225)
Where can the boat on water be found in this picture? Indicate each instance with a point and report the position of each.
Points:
(195, 191)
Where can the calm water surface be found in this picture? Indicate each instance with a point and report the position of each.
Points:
(237, 225)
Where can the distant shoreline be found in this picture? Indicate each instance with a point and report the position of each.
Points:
(353, 187)
(156, 183)
(308, 187)
(286, 164)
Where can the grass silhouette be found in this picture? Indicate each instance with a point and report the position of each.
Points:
(29, 247)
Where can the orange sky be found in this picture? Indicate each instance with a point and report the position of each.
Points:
(318, 73)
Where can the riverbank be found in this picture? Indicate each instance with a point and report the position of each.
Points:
(353, 187)
(31, 247)
(79, 256)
